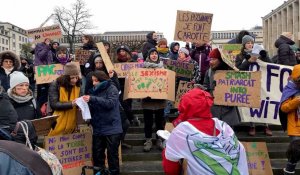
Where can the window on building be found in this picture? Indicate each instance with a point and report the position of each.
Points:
(20, 38)
(20, 46)
(2, 40)
(7, 42)
(14, 44)
(3, 48)
(13, 36)
(25, 40)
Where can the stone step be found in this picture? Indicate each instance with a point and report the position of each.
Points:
(155, 167)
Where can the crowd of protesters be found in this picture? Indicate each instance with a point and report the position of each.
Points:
(112, 116)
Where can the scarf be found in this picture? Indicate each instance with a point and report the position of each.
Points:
(8, 71)
(20, 99)
(66, 121)
(162, 50)
(184, 60)
(99, 87)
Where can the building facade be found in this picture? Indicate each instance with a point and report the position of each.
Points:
(12, 37)
(285, 18)
(222, 37)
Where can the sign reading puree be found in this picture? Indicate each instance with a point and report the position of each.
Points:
(40, 34)
(192, 26)
(72, 150)
(237, 88)
(154, 83)
(48, 73)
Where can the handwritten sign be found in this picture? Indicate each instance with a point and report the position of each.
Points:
(231, 50)
(82, 56)
(48, 73)
(107, 62)
(154, 83)
(183, 87)
(237, 88)
(43, 125)
(40, 34)
(123, 68)
(181, 69)
(258, 158)
(227, 59)
(72, 150)
(192, 26)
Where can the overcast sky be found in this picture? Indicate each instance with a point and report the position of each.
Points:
(135, 15)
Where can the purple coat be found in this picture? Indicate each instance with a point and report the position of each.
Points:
(43, 55)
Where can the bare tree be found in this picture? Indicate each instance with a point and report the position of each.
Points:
(73, 21)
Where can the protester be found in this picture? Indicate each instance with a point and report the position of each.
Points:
(239, 37)
(153, 106)
(293, 156)
(62, 95)
(27, 68)
(22, 97)
(9, 63)
(243, 61)
(286, 55)
(289, 112)
(62, 55)
(200, 54)
(184, 57)
(162, 48)
(43, 56)
(123, 56)
(228, 114)
(106, 121)
(88, 43)
(54, 45)
(208, 144)
(173, 51)
(149, 44)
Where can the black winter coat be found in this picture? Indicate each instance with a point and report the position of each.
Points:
(104, 106)
(27, 110)
(286, 55)
(8, 115)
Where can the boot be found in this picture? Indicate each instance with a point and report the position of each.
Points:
(285, 172)
(252, 131)
(148, 145)
(268, 132)
(159, 144)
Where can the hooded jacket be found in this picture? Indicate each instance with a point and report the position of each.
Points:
(173, 55)
(4, 78)
(286, 55)
(43, 54)
(150, 43)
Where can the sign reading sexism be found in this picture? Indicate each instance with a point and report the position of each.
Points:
(237, 88)
(192, 26)
(153, 83)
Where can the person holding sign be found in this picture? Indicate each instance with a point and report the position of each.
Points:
(228, 114)
(289, 113)
(106, 121)
(243, 61)
(62, 96)
(209, 145)
(153, 106)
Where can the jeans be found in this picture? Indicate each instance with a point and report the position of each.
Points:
(111, 143)
(292, 154)
(148, 120)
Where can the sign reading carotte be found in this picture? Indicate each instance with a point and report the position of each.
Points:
(192, 26)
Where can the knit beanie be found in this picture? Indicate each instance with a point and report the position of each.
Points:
(247, 38)
(184, 50)
(97, 59)
(17, 78)
(215, 53)
(162, 41)
(71, 69)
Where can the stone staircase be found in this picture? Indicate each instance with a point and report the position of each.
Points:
(137, 162)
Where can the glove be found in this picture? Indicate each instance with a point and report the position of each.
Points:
(263, 53)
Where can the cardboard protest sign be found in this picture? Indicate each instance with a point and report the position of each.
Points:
(237, 88)
(193, 26)
(231, 50)
(181, 69)
(183, 87)
(123, 68)
(48, 73)
(154, 83)
(227, 59)
(258, 158)
(43, 125)
(73, 151)
(107, 62)
(40, 34)
(82, 56)
(274, 78)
